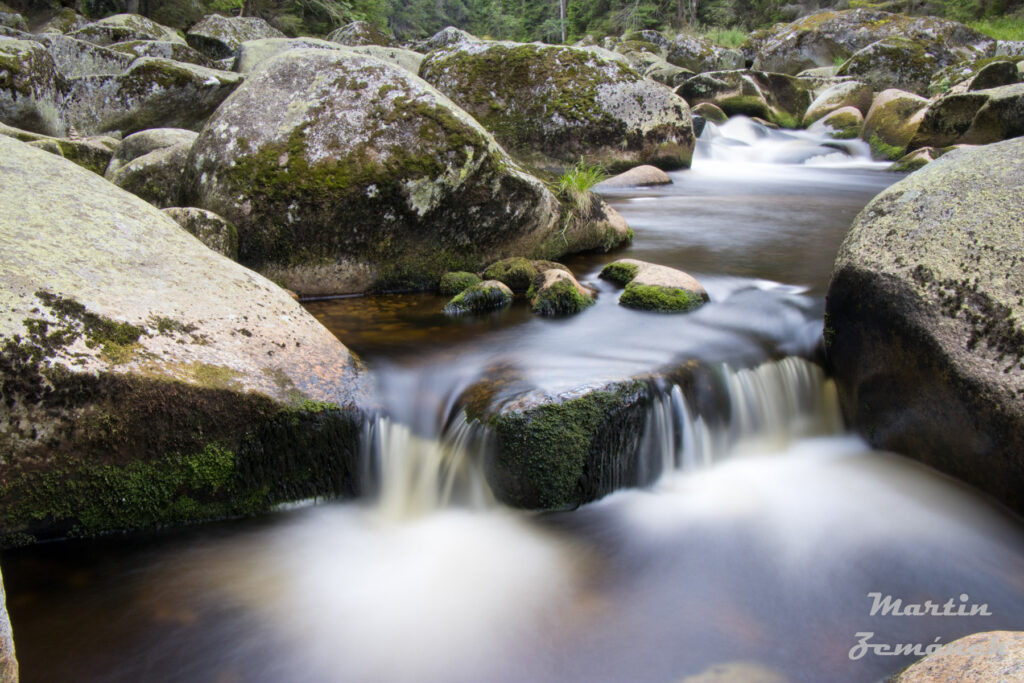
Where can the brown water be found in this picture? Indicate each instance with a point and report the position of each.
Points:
(756, 556)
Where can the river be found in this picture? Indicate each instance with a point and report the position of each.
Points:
(751, 559)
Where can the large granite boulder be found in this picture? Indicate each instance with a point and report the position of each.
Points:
(819, 39)
(65, 20)
(975, 117)
(923, 321)
(896, 62)
(146, 141)
(124, 27)
(845, 94)
(31, 89)
(344, 173)
(162, 49)
(551, 105)
(359, 33)
(146, 380)
(698, 54)
(978, 658)
(155, 176)
(219, 37)
(76, 58)
(152, 93)
(892, 121)
(252, 53)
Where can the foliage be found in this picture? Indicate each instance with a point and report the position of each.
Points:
(726, 37)
(575, 184)
(1000, 28)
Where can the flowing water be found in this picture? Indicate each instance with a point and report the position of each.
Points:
(750, 559)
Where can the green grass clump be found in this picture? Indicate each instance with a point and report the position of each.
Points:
(457, 282)
(726, 37)
(664, 299)
(575, 184)
(619, 273)
(1000, 28)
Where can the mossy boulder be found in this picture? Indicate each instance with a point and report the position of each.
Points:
(209, 228)
(156, 176)
(699, 54)
(667, 74)
(552, 105)
(344, 173)
(845, 123)
(892, 121)
(556, 292)
(77, 58)
(219, 37)
(152, 93)
(710, 112)
(163, 49)
(146, 141)
(359, 33)
(651, 287)
(253, 53)
(13, 20)
(31, 89)
(817, 40)
(482, 297)
(146, 380)
(65, 20)
(847, 94)
(777, 98)
(923, 318)
(909, 163)
(92, 153)
(976, 118)
(457, 282)
(446, 38)
(8, 660)
(120, 28)
(519, 273)
(900, 63)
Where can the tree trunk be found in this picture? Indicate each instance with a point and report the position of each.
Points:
(561, 16)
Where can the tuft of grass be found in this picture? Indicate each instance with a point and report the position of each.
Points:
(838, 61)
(726, 37)
(1000, 28)
(574, 185)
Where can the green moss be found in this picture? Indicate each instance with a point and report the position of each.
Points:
(885, 150)
(454, 283)
(478, 298)
(117, 340)
(784, 119)
(663, 299)
(560, 298)
(620, 273)
(516, 272)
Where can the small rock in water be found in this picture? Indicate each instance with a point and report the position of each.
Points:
(457, 282)
(486, 296)
(641, 176)
(556, 292)
(651, 287)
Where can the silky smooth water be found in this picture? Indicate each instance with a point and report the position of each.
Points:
(751, 558)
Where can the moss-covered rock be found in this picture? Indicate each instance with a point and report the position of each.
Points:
(519, 273)
(144, 379)
(155, 176)
(914, 160)
(924, 312)
(667, 74)
(710, 112)
(253, 53)
(847, 94)
(650, 287)
(552, 105)
(845, 123)
(152, 93)
(344, 173)
(777, 98)
(359, 33)
(892, 122)
(975, 117)
(209, 228)
(31, 89)
(457, 282)
(219, 37)
(77, 58)
(446, 38)
(163, 49)
(65, 20)
(8, 661)
(13, 20)
(819, 39)
(556, 292)
(482, 297)
(699, 54)
(146, 141)
(121, 28)
(893, 63)
(92, 153)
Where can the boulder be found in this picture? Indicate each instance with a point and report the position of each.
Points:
(1010, 48)
(8, 661)
(640, 176)
(65, 20)
(818, 40)
(152, 93)
(145, 379)
(893, 63)
(407, 59)
(845, 123)
(667, 74)
(482, 297)
(359, 33)
(556, 292)
(994, 75)
(446, 38)
(146, 141)
(847, 94)
(710, 112)
(91, 153)
(699, 54)
(552, 105)
(219, 37)
(979, 657)
(13, 20)
(31, 90)
(209, 228)
(923, 319)
(914, 160)
(640, 55)
(77, 58)
(163, 49)
(892, 121)
(121, 28)
(977, 117)
(156, 176)
(777, 98)
(651, 287)
(457, 282)
(253, 53)
(648, 36)
(519, 273)
(344, 173)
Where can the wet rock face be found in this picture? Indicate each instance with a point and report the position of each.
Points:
(345, 173)
(777, 98)
(552, 105)
(922, 321)
(144, 378)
